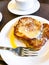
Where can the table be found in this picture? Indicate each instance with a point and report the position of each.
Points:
(7, 16)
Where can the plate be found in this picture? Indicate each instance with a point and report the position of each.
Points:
(0, 16)
(12, 59)
(12, 7)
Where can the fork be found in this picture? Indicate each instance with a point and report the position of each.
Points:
(22, 51)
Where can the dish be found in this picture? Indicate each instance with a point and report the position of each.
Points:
(0, 16)
(8, 57)
(13, 9)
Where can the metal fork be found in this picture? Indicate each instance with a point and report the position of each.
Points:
(22, 51)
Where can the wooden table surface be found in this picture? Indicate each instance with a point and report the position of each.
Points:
(7, 16)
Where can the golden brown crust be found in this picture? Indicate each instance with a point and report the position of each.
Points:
(28, 25)
(36, 44)
(46, 30)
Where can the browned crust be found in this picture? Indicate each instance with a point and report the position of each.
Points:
(46, 30)
(37, 43)
(24, 21)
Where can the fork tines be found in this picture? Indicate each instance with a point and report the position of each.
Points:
(26, 51)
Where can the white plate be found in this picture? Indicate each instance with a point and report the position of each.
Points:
(12, 7)
(11, 59)
(0, 16)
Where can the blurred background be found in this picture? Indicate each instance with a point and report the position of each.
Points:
(44, 1)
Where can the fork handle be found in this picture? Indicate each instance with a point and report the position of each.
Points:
(5, 48)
